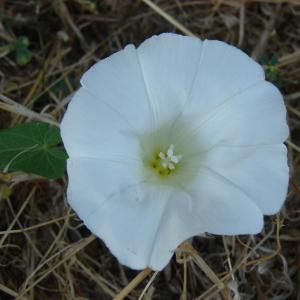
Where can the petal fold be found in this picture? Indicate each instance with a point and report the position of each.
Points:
(224, 71)
(118, 81)
(128, 218)
(169, 63)
(221, 207)
(261, 172)
(91, 128)
(92, 182)
(255, 117)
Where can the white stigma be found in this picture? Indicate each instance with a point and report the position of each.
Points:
(168, 161)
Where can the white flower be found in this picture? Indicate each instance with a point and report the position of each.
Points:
(172, 139)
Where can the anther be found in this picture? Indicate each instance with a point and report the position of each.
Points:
(168, 161)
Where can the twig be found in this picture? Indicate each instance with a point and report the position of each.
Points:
(242, 24)
(12, 224)
(148, 285)
(37, 225)
(134, 283)
(184, 289)
(212, 291)
(278, 245)
(293, 146)
(293, 110)
(66, 18)
(96, 278)
(18, 108)
(10, 292)
(264, 37)
(293, 96)
(69, 254)
(289, 58)
(169, 18)
(188, 248)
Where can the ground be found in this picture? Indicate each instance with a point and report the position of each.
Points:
(45, 250)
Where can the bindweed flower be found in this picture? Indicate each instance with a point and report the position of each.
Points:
(172, 139)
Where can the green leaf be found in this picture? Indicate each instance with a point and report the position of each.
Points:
(32, 148)
(23, 55)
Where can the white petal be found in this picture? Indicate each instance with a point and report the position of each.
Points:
(223, 72)
(261, 172)
(125, 213)
(174, 228)
(118, 81)
(211, 205)
(143, 225)
(130, 226)
(256, 116)
(92, 182)
(220, 207)
(169, 63)
(90, 128)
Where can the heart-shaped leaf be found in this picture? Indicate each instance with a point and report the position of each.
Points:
(32, 148)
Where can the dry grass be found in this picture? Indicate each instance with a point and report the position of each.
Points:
(45, 251)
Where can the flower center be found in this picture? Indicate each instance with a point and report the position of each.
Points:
(165, 163)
